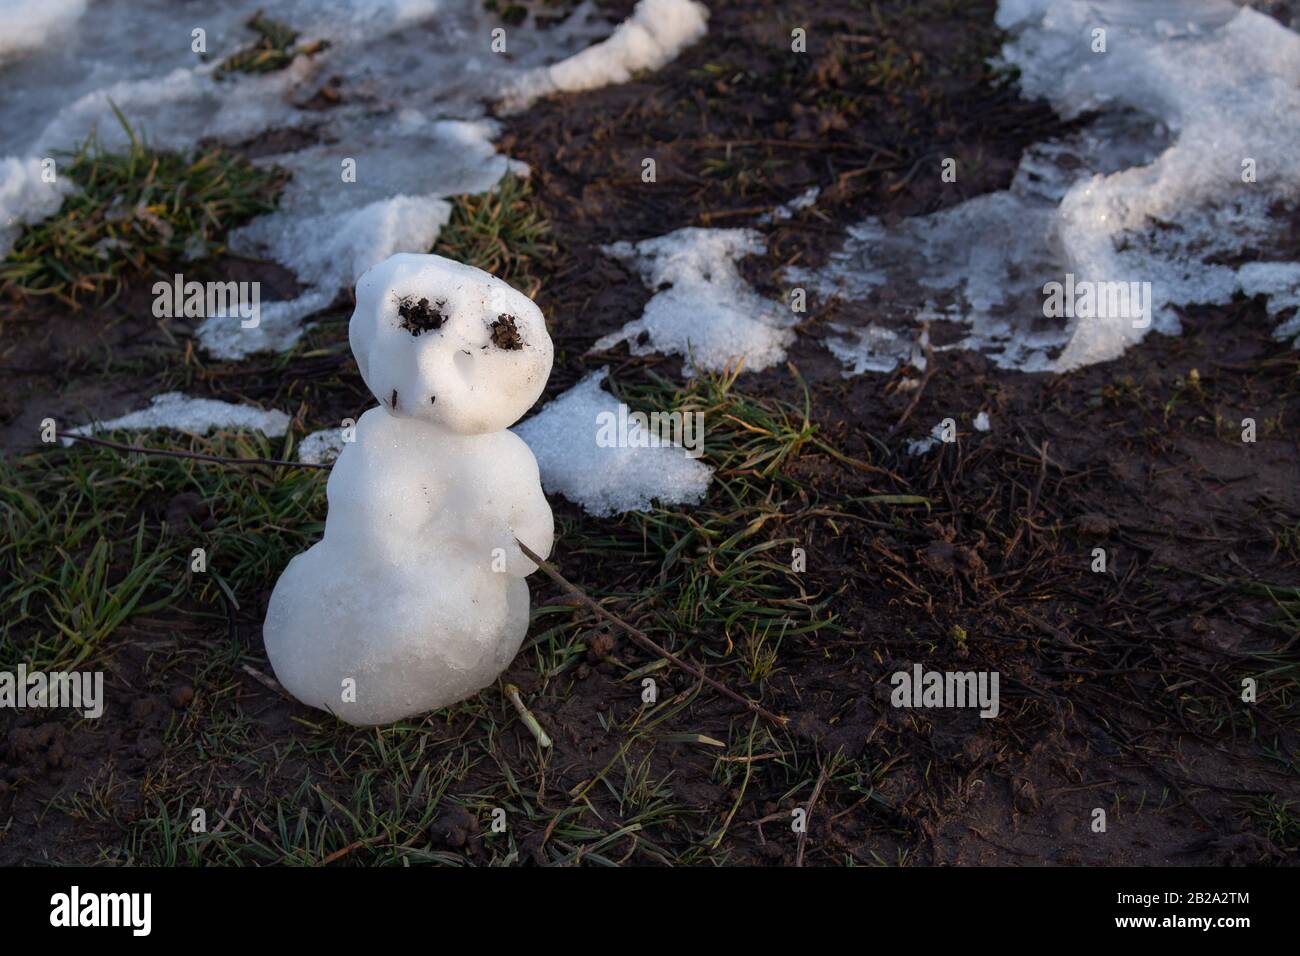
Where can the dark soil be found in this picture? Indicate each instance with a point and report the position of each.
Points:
(1120, 689)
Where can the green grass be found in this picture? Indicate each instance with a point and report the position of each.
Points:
(721, 573)
(1280, 821)
(1285, 597)
(273, 50)
(85, 548)
(132, 214)
(502, 231)
(86, 564)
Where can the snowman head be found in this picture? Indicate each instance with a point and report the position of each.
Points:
(447, 343)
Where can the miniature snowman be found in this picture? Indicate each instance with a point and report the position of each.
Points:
(415, 597)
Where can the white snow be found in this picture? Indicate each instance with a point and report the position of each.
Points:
(25, 197)
(981, 422)
(920, 446)
(653, 36)
(279, 326)
(787, 209)
(30, 24)
(702, 308)
(356, 225)
(607, 480)
(196, 415)
(1228, 85)
(927, 269)
(415, 597)
(177, 108)
(1150, 192)
(415, 76)
(321, 447)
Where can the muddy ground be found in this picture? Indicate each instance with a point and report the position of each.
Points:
(1120, 690)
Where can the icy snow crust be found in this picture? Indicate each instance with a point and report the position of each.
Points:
(653, 36)
(30, 24)
(416, 75)
(703, 309)
(197, 415)
(322, 447)
(607, 480)
(1152, 191)
(416, 592)
(25, 196)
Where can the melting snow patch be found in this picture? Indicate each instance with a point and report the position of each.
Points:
(30, 24)
(373, 172)
(874, 348)
(607, 480)
(927, 269)
(653, 36)
(707, 312)
(981, 422)
(922, 445)
(321, 447)
(25, 197)
(787, 209)
(1144, 210)
(279, 327)
(330, 237)
(196, 415)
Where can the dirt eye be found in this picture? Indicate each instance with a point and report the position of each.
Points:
(419, 316)
(505, 334)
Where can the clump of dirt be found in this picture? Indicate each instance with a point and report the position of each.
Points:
(454, 827)
(419, 316)
(600, 644)
(505, 335)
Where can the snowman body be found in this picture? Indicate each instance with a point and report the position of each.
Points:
(415, 597)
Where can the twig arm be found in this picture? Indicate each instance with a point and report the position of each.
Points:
(194, 455)
(641, 638)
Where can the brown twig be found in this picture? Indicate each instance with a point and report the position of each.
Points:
(197, 456)
(530, 721)
(222, 820)
(808, 811)
(642, 639)
(267, 682)
(920, 389)
(344, 851)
